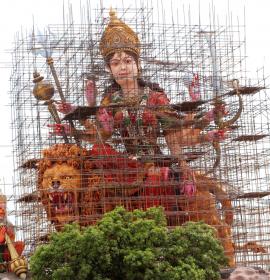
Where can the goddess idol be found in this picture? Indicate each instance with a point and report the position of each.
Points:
(149, 168)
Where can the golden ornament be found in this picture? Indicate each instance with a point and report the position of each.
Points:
(118, 37)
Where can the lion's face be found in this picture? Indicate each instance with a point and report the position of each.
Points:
(60, 191)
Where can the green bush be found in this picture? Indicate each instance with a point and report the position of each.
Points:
(130, 245)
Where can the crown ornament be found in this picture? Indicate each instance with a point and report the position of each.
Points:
(118, 37)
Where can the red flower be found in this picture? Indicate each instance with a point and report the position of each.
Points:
(158, 98)
(118, 117)
(149, 118)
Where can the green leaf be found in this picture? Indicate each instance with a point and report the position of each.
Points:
(130, 245)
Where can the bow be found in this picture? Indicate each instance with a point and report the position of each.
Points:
(219, 104)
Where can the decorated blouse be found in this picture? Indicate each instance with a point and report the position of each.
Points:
(136, 122)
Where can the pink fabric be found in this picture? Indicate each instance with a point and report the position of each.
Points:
(189, 189)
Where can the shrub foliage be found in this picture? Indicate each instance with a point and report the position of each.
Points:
(130, 245)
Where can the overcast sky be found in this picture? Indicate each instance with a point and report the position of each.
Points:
(16, 15)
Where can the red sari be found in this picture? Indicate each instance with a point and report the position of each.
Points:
(132, 178)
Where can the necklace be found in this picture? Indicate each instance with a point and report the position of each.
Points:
(133, 99)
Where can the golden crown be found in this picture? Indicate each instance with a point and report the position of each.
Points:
(118, 36)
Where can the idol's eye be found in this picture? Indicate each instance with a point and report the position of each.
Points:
(47, 178)
(114, 62)
(129, 60)
(66, 177)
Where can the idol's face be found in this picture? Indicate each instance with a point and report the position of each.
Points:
(123, 67)
(60, 190)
